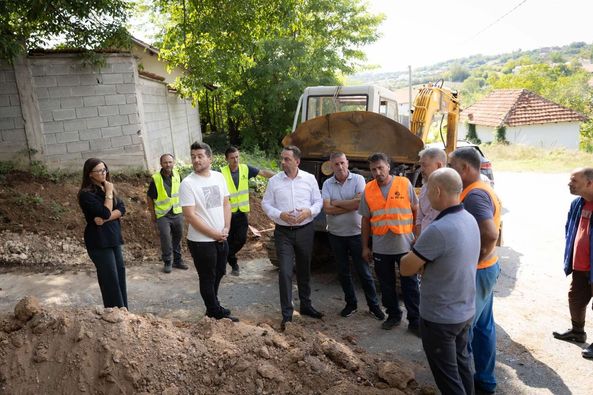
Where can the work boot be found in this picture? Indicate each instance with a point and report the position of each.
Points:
(571, 335)
(180, 265)
(168, 267)
(235, 269)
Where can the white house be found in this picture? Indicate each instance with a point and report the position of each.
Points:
(528, 119)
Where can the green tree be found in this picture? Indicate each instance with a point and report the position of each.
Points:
(26, 24)
(262, 54)
(458, 73)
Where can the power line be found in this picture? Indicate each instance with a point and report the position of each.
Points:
(496, 21)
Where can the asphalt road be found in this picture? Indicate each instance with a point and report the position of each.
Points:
(530, 297)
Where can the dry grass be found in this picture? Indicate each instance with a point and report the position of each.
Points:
(523, 158)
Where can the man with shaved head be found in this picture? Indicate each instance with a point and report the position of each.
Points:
(447, 253)
(578, 258)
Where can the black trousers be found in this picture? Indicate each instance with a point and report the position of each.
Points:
(237, 235)
(111, 274)
(294, 246)
(445, 346)
(210, 261)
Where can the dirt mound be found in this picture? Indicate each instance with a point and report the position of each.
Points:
(112, 351)
(42, 226)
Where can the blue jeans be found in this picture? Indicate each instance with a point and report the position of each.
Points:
(343, 247)
(111, 274)
(483, 332)
(385, 269)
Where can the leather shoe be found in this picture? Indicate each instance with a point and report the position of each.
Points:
(311, 312)
(283, 323)
(588, 352)
(571, 335)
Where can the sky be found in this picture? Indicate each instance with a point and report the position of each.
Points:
(423, 32)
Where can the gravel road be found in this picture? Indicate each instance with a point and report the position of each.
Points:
(530, 299)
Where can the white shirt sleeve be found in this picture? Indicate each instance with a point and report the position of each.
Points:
(186, 196)
(316, 201)
(268, 202)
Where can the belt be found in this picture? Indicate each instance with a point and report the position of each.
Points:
(293, 227)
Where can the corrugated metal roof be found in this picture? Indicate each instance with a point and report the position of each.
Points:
(514, 107)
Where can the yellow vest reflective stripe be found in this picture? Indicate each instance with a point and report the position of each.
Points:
(393, 214)
(239, 197)
(163, 202)
(493, 258)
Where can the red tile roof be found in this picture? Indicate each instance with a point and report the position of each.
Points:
(514, 107)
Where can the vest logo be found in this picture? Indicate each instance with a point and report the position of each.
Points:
(397, 195)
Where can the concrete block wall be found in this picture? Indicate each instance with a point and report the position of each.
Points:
(87, 111)
(13, 140)
(171, 122)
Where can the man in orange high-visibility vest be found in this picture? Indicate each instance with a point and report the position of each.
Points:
(388, 208)
(480, 200)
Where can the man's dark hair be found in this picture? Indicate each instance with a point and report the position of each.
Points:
(296, 152)
(588, 173)
(336, 154)
(201, 145)
(468, 155)
(164, 155)
(377, 156)
(230, 150)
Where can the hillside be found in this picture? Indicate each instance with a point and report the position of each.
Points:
(397, 79)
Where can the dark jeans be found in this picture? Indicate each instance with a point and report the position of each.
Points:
(294, 245)
(237, 235)
(343, 247)
(210, 261)
(445, 346)
(111, 273)
(385, 269)
(170, 232)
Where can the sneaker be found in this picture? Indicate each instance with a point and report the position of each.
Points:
(180, 265)
(588, 352)
(348, 310)
(235, 271)
(571, 335)
(377, 312)
(390, 322)
(168, 267)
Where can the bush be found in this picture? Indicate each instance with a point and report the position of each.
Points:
(472, 135)
(501, 135)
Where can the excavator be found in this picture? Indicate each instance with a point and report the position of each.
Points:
(361, 120)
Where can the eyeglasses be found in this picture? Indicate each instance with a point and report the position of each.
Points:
(102, 171)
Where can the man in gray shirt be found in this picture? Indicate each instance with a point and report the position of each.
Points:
(341, 197)
(388, 208)
(447, 253)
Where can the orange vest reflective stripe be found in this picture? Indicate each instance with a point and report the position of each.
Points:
(395, 213)
(492, 259)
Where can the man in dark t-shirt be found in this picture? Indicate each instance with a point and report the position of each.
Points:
(237, 178)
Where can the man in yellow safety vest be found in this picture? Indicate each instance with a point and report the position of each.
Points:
(237, 178)
(163, 203)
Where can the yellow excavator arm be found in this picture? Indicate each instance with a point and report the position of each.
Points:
(429, 101)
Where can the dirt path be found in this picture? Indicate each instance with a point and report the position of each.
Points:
(530, 297)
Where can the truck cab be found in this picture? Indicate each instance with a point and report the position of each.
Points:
(317, 101)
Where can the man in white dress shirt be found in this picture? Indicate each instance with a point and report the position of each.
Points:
(292, 200)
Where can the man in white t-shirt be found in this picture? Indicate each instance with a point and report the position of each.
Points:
(204, 198)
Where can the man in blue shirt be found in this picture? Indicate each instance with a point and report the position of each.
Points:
(341, 196)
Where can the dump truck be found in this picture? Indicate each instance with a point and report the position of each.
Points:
(361, 120)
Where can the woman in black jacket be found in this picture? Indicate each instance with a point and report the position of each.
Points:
(102, 235)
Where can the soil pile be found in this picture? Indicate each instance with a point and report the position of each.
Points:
(112, 351)
(42, 225)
